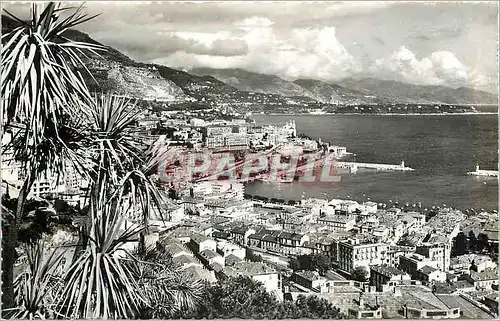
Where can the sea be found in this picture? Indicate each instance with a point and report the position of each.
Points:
(441, 149)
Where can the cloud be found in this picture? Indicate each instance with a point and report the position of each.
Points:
(312, 53)
(439, 68)
(255, 22)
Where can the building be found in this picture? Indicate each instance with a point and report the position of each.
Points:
(309, 279)
(463, 263)
(483, 280)
(240, 140)
(259, 272)
(176, 249)
(338, 222)
(240, 234)
(209, 257)
(201, 242)
(383, 277)
(429, 274)
(491, 301)
(414, 262)
(395, 252)
(226, 249)
(439, 252)
(352, 253)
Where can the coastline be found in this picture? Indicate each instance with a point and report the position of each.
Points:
(381, 114)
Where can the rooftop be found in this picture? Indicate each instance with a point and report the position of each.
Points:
(337, 218)
(485, 275)
(387, 270)
(184, 259)
(232, 259)
(199, 273)
(249, 269)
(308, 275)
(427, 270)
(198, 238)
(175, 248)
(209, 254)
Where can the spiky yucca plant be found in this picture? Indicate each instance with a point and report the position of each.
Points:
(102, 283)
(41, 85)
(35, 287)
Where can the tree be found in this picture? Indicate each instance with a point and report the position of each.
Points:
(472, 241)
(293, 263)
(40, 88)
(321, 263)
(359, 274)
(482, 241)
(168, 291)
(473, 266)
(251, 256)
(315, 262)
(121, 189)
(460, 245)
(245, 298)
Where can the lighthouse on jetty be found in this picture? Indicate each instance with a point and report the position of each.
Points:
(482, 172)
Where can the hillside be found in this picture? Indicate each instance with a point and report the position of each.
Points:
(251, 81)
(349, 91)
(398, 92)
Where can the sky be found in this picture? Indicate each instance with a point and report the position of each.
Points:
(452, 44)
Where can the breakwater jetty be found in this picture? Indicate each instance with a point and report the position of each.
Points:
(353, 166)
(482, 172)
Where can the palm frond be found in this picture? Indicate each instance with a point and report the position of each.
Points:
(39, 76)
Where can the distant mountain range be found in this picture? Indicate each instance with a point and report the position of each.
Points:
(349, 91)
(250, 91)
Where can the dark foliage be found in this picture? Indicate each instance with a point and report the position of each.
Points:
(245, 298)
(315, 262)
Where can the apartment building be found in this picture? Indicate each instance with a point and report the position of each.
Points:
(384, 276)
(353, 253)
(338, 222)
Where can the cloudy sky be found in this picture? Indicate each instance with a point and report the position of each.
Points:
(451, 44)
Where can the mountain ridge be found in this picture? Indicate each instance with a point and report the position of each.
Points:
(354, 91)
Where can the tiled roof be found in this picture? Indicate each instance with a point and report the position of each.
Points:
(427, 270)
(198, 273)
(232, 259)
(221, 235)
(198, 238)
(387, 270)
(184, 259)
(337, 219)
(485, 275)
(308, 275)
(216, 267)
(175, 248)
(462, 284)
(208, 254)
(249, 269)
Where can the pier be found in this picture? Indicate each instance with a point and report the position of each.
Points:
(482, 172)
(353, 166)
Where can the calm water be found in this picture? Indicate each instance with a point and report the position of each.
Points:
(441, 149)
